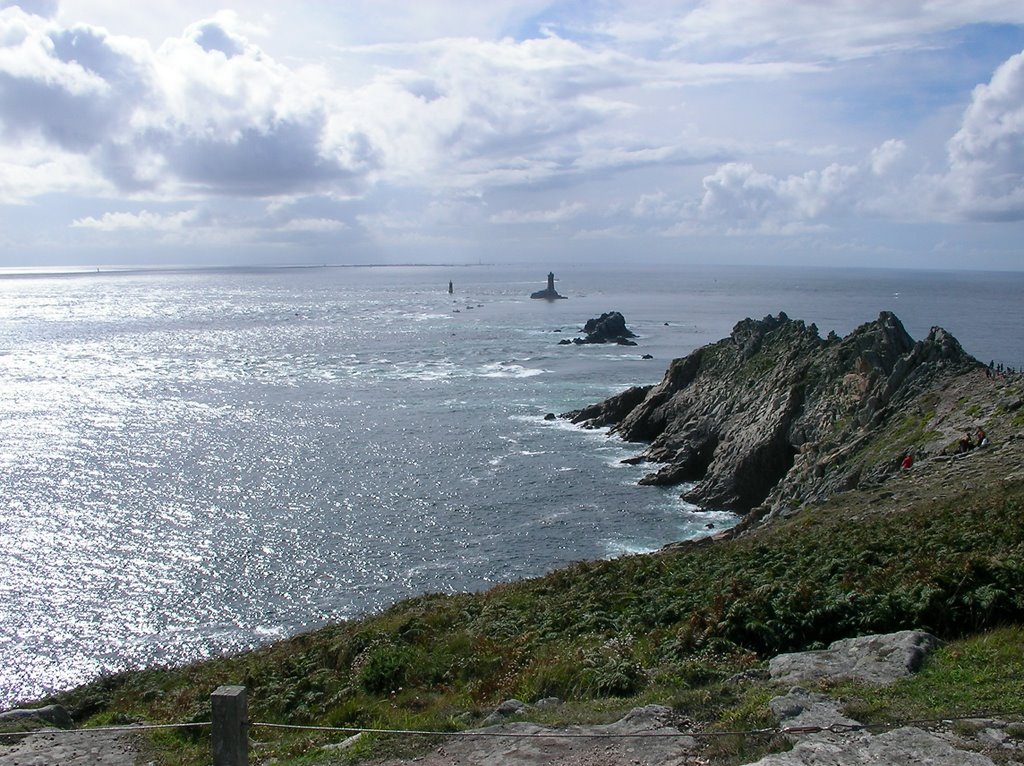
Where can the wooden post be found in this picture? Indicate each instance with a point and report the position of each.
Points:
(230, 726)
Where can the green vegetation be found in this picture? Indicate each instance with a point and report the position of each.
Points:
(978, 675)
(907, 434)
(607, 635)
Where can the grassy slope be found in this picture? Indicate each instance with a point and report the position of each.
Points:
(668, 627)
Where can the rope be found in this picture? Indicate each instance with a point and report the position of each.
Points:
(508, 734)
(107, 729)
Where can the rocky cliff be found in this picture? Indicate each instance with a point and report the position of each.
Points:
(774, 415)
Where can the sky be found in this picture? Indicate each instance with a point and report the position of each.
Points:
(825, 133)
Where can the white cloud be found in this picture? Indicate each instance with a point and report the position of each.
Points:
(740, 197)
(564, 212)
(207, 110)
(800, 30)
(886, 156)
(610, 232)
(657, 205)
(141, 221)
(32, 170)
(386, 121)
(319, 225)
(986, 155)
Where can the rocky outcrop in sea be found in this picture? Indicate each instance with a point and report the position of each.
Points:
(775, 416)
(610, 327)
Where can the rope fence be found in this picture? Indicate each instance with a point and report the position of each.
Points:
(230, 727)
(126, 728)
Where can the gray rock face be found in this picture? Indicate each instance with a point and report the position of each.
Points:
(612, 410)
(52, 714)
(506, 709)
(908, 745)
(879, 659)
(772, 414)
(803, 708)
(610, 327)
(846, 745)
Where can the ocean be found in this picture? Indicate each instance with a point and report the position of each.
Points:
(195, 462)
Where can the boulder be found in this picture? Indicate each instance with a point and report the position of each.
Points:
(877, 659)
(52, 714)
(506, 709)
(610, 327)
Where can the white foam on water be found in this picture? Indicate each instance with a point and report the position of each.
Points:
(616, 548)
(508, 370)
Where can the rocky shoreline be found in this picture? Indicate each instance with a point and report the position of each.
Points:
(775, 416)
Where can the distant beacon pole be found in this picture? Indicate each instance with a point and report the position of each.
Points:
(230, 724)
(551, 281)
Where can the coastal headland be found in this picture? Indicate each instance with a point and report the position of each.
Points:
(842, 537)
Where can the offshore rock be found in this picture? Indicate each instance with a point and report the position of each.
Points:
(610, 327)
(774, 416)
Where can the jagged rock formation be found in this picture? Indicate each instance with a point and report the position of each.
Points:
(774, 416)
(610, 327)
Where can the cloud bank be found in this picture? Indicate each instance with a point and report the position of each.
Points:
(650, 121)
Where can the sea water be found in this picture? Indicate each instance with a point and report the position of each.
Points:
(195, 462)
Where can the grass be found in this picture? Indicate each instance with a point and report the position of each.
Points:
(979, 676)
(607, 635)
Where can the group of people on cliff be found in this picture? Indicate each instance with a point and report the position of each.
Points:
(1000, 370)
(965, 445)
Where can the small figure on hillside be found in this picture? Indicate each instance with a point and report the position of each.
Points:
(908, 462)
(966, 445)
(981, 438)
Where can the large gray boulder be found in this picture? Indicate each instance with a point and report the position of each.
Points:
(55, 715)
(878, 659)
